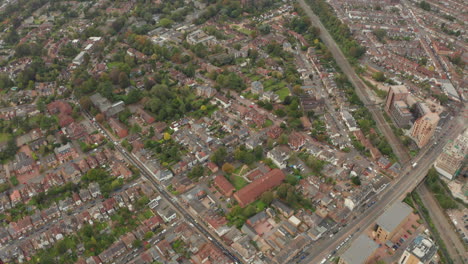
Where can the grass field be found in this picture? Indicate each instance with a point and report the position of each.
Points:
(268, 123)
(238, 182)
(4, 137)
(283, 93)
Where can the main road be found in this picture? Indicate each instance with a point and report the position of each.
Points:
(410, 178)
(397, 147)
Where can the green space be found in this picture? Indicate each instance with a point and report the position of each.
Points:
(282, 93)
(414, 200)
(268, 123)
(440, 190)
(339, 31)
(4, 137)
(238, 182)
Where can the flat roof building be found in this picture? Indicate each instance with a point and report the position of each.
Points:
(391, 220)
(359, 252)
(420, 251)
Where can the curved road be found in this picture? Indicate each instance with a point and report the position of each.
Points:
(398, 148)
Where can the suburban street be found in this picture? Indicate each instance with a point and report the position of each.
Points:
(171, 200)
(410, 179)
(398, 148)
(452, 241)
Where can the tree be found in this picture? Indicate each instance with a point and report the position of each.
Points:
(196, 172)
(267, 197)
(258, 152)
(14, 181)
(133, 96)
(166, 22)
(380, 34)
(11, 37)
(315, 164)
(355, 180)
(264, 29)
(124, 82)
(137, 243)
(118, 24)
(379, 76)
(85, 102)
(5, 81)
(228, 168)
(99, 118)
(167, 136)
(425, 6)
(219, 156)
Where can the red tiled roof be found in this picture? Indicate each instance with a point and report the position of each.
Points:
(59, 107)
(224, 185)
(252, 191)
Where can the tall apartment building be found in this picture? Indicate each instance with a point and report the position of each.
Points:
(395, 93)
(396, 105)
(452, 157)
(423, 128)
(401, 114)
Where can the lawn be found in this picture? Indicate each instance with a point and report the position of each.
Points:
(4, 137)
(245, 31)
(268, 123)
(238, 182)
(283, 93)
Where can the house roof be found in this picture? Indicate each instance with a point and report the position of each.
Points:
(252, 191)
(223, 184)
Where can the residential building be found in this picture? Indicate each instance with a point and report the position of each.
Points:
(449, 162)
(360, 251)
(205, 91)
(395, 93)
(296, 141)
(253, 190)
(279, 156)
(421, 109)
(391, 220)
(256, 87)
(118, 128)
(224, 186)
(65, 153)
(401, 114)
(105, 106)
(423, 128)
(349, 120)
(79, 58)
(270, 96)
(223, 100)
(199, 36)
